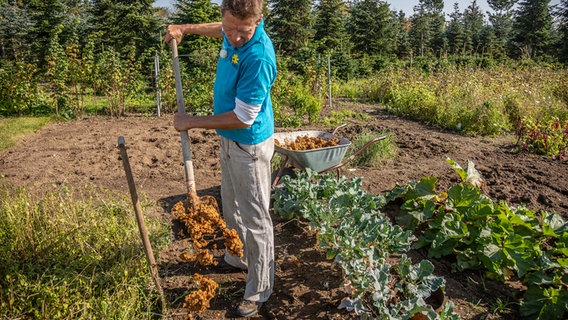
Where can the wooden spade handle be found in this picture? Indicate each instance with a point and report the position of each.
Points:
(185, 146)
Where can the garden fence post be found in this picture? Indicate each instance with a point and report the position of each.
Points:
(329, 79)
(157, 79)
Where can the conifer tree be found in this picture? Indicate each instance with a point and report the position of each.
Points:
(501, 21)
(372, 27)
(330, 26)
(403, 46)
(15, 36)
(126, 25)
(290, 24)
(197, 11)
(473, 27)
(455, 32)
(427, 31)
(532, 28)
(563, 30)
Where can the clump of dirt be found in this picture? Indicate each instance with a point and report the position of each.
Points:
(307, 143)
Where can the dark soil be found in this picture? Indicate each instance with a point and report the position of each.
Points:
(307, 286)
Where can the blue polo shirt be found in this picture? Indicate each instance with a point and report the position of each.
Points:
(247, 73)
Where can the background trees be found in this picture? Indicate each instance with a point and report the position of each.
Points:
(563, 28)
(70, 43)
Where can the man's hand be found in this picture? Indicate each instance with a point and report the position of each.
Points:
(174, 31)
(182, 121)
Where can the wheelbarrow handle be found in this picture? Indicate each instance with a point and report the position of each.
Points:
(356, 153)
(338, 127)
(185, 146)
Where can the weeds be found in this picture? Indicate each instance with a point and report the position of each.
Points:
(470, 101)
(67, 256)
(547, 137)
(377, 153)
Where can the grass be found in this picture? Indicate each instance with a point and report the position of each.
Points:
(377, 153)
(13, 130)
(143, 104)
(74, 255)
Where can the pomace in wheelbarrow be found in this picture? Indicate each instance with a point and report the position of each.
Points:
(307, 143)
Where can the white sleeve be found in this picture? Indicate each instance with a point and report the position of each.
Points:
(246, 112)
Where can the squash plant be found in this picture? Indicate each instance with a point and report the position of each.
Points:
(492, 236)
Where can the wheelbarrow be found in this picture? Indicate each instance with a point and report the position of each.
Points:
(320, 160)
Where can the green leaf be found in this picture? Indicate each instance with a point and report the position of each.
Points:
(467, 259)
(553, 225)
(464, 196)
(460, 171)
(422, 270)
(426, 189)
(399, 191)
(547, 303)
(471, 176)
(494, 259)
(539, 278)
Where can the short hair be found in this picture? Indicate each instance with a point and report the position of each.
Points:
(242, 9)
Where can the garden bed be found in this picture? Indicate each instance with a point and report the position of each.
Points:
(308, 286)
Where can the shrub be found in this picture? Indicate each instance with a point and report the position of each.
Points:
(19, 90)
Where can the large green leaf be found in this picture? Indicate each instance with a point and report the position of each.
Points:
(544, 303)
(553, 225)
(470, 175)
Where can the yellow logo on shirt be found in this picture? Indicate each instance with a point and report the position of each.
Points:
(235, 59)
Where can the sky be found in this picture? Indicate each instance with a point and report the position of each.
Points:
(405, 5)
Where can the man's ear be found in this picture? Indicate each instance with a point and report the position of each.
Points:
(259, 19)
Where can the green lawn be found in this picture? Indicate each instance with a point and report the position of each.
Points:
(14, 129)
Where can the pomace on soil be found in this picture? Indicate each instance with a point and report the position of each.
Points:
(201, 216)
(199, 300)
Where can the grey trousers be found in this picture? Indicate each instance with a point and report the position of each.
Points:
(245, 195)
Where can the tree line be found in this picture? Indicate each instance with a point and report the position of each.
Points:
(107, 46)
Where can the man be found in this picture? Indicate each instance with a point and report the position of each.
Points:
(244, 119)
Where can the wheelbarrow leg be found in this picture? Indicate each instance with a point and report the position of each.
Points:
(279, 173)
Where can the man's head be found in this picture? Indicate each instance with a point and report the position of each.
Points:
(240, 19)
(242, 9)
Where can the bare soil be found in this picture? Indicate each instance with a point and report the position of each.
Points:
(307, 286)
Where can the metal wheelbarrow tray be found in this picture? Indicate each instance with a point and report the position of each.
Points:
(321, 159)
